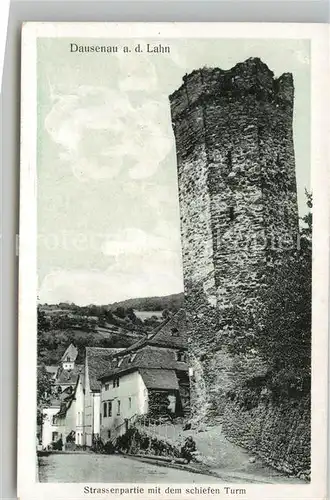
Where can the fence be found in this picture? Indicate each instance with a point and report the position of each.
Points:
(159, 428)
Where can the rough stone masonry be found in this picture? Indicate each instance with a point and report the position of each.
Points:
(238, 204)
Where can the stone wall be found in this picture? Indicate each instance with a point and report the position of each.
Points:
(276, 431)
(238, 204)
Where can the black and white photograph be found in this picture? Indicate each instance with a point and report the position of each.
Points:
(174, 199)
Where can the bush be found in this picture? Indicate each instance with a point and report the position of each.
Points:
(109, 448)
(134, 441)
(57, 445)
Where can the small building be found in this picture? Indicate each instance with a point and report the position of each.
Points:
(151, 377)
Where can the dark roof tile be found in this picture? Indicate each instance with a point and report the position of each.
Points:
(147, 357)
(170, 333)
(159, 379)
(68, 377)
(98, 360)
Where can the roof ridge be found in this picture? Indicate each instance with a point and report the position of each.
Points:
(103, 349)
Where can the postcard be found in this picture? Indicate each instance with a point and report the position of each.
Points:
(173, 294)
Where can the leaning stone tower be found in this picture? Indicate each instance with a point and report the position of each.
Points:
(238, 203)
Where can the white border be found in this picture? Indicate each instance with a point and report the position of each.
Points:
(28, 487)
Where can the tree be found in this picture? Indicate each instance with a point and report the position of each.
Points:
(44, 391)
(43, 326)
(166, 314)
(44, 386)
(120, 312)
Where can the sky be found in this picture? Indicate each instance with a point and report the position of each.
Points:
(108, 211)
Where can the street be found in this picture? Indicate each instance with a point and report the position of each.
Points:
(84, 468)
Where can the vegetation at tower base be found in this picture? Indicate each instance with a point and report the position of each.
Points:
(247, 284)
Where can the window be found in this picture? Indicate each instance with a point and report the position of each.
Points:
(104, 409)
(106, 387)
(100, 418)
(114, 383)
(180, 356)
(118, 407)
(54, 436)
(109, 409)
(129, 403)
(109, 434)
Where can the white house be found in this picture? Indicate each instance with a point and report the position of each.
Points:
(122, 399)
(50, 430)
(149, 377)
(97, 360)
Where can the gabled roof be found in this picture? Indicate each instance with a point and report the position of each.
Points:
(173, 333)
(170, 333)
(68, 377)
(67, 397)
(71, 353)
(98, 360)
(159, 379)
(156, 352)
(148, 356)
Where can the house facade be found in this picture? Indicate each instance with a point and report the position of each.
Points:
(149, 378)
(97, 360)
(122, 399)
(50, 429)
(70, 417)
